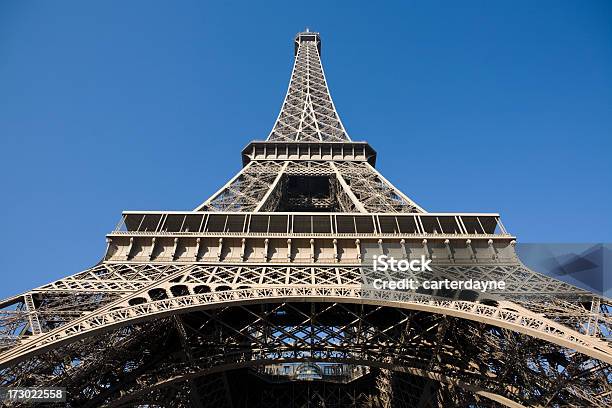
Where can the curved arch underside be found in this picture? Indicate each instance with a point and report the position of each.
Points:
(216, 321)
(451, 356)
(125, 311)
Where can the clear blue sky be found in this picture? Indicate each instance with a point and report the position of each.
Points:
(106, 106)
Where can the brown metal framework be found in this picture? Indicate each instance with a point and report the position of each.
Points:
(260, 297)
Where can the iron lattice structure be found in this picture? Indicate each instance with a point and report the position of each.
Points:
(259, 297)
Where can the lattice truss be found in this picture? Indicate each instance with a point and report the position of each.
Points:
(381, 388)
(245, 191)
(425, 360)
(354, 187)
(308, 113)
(114, 306)
(374, 192)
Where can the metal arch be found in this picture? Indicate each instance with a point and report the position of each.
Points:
(120, 314)
(104, 283)
(394, 367)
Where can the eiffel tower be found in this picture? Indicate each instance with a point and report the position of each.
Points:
(262, 296)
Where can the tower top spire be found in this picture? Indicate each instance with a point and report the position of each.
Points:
(308, 113)
(307, 36)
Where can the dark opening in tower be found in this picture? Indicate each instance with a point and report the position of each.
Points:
(308, 194)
